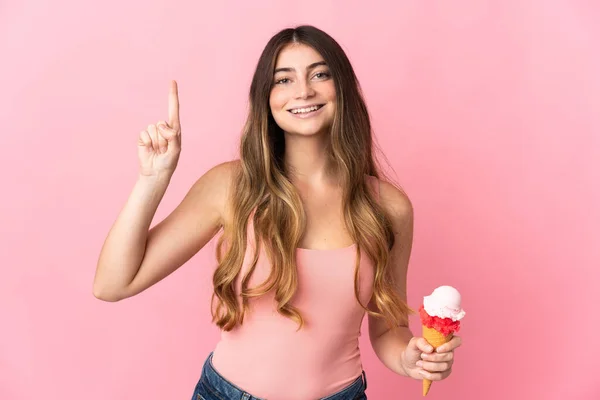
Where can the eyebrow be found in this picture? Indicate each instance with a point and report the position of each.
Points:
(288, 69)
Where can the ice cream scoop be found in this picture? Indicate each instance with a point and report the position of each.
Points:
(444, 302)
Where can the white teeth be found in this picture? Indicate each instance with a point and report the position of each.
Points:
(304, 110)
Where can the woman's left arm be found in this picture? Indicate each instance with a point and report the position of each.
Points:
(398, 349)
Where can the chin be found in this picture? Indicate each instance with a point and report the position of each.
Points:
(306, 131)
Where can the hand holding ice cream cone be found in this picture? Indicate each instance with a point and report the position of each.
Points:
(421, 361)
(430, 357)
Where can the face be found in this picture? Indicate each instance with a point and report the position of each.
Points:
(302, 99)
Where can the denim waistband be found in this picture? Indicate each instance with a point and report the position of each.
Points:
(227, 388)
(359, 385)
(231, 391)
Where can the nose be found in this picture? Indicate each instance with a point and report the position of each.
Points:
(304, 90)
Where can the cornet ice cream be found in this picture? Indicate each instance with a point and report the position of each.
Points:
(440, 313)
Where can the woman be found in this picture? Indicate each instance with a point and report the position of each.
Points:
(312, 239)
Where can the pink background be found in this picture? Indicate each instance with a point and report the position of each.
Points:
(489, 113)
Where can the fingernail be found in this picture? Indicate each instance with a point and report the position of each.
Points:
(422, 372)
(429, 348)
(419, 364)
(162, 127)
(440, 349)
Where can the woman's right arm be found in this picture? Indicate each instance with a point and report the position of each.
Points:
(134, 258)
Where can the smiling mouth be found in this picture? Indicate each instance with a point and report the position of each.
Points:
(306, 110)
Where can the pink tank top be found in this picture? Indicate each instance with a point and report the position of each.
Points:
(268, 358)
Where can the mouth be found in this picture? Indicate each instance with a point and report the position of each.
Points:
(306, 110)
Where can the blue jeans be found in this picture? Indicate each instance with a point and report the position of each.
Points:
(212, 386)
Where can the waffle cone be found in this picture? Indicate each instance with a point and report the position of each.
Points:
(435, 339)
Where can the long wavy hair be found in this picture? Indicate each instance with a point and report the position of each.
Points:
(263, 186)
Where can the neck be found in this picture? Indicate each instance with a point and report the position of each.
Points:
(307, 160)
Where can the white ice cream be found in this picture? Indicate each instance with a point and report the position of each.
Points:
(444, 302)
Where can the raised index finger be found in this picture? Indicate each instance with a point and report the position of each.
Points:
(174, 106)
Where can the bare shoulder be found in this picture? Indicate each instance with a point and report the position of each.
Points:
(216, 185)
(395, 202)
(219, 175)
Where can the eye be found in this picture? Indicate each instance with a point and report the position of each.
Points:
(280, 81)
(322, 75)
